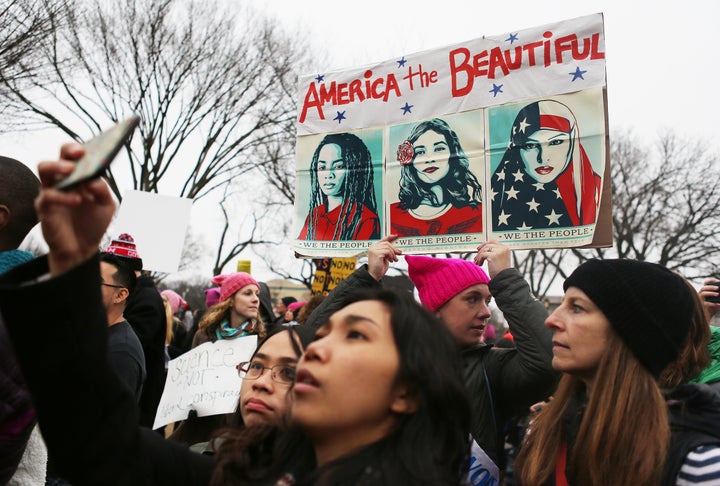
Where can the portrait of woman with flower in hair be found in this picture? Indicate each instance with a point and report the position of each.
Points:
(438, 193)
(342, 203)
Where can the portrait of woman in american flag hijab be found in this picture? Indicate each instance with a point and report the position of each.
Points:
(545, 178)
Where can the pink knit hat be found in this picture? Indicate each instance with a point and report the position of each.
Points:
(440, 279)
(232, 282)
(176, 302)
(295, 305)
(212, 296)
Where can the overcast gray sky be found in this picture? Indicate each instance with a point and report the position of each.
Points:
(662, 63)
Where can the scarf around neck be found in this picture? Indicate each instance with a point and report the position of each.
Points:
(225, 331)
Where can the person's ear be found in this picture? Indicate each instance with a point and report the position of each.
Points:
(121, 295)
(405, 400)
(4, 216)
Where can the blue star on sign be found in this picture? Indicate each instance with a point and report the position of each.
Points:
(512, 38)
(401, 62)
(577, 74)
(320, 78)
(496, 89)
(340, 117)
(407, 108)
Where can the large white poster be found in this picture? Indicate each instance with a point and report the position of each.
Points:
(501, 137)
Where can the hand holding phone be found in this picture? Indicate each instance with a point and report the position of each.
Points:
(713, 299)
(99, 152)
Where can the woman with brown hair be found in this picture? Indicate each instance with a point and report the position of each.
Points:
(238, 312)
(621, 323)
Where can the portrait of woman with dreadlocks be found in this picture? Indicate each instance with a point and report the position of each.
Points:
(342, 202)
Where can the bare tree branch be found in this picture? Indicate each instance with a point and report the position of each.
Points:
(304, 276)
(212, 85)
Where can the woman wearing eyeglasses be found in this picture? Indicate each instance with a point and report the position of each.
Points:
(267, 378)
(378, 399)
(269, 374)
(266, 381)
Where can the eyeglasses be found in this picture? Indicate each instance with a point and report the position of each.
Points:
(252, 370)
(113, 286)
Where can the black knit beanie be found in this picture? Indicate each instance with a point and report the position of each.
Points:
(649, 307)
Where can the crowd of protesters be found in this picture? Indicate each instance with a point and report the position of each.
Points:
(367, 386)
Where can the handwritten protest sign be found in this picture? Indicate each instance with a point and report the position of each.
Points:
(501, 137)
(204, 379)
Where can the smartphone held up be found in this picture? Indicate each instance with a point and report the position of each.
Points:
(714, 299)
(99, 153)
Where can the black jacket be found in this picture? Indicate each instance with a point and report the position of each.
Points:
(145, 312)
(89, 420)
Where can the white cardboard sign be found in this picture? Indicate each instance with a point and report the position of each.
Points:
(204, 379)
(158, 225)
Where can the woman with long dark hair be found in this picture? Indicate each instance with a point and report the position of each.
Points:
(378, 400)
(620, 325)
(438, 192)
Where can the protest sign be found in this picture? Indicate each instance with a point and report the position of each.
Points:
(204, 379)
(329, 272)
(158, 224)
(501, 137)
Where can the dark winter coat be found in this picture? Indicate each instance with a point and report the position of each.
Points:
(501, 383)
(145, 312)
(694, 422)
